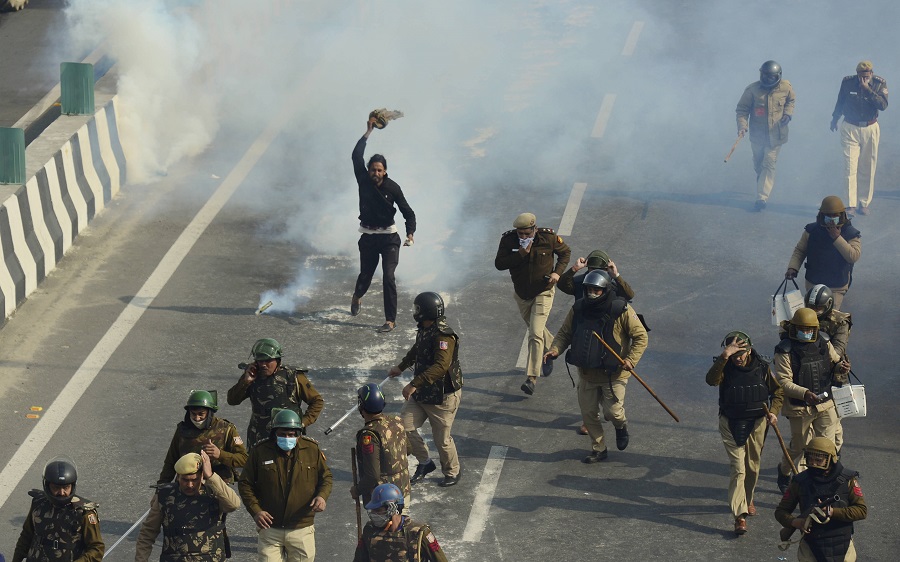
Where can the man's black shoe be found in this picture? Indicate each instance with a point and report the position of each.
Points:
(449, 481)
(622, 438)
(422, 471)
(547, 367)
(354, 306)
(784, 480)
(595, 456)
(528, 387)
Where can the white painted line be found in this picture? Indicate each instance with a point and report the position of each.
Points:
(484, 495)
(568, 218)
(632, 39)
(56, 414)
(523, 353)
(603, 117)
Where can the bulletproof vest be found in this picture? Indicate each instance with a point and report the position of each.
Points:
(587, 352)
(58, 530)
(192, 526)
(400, 546)
(191, 440)
(829, 542)
(266, 393)
(389, 432)
(452, 381)
(824, 264)
(744, 393)
(810, 364)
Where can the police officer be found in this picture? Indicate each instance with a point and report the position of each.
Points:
(284, 484)
(766, 108)
(830, 246)
(390, 536)
(269, 385)
(381, 446)
(60, 525)
(570, 282)
(830, 501)
(860, 99)
(746, 389)
(191, 513)
(201, 430)
(527, 252)
(601, 378)
(806, 366)
(435, 390)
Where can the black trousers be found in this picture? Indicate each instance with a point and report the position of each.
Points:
(371, 248)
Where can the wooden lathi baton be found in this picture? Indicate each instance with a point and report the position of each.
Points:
(733, 147)
(635, 375)
(784, 448)
(355, 485)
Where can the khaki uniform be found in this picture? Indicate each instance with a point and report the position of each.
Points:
(602, 389)
(189, 439)
(533, 291)
(760, 110)
(438, 384)
(849, 250)
(287, 387)
(806, 421)
(744, 459)
(412, 542)
(284, 485)
(381, 455)
(51, 532)
(192, 525)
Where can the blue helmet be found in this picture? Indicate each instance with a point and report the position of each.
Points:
(385, 494)
(371, 398)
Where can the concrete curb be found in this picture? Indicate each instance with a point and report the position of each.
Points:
(80, 167)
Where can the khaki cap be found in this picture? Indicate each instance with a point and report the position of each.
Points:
(525, 220)
(864, 66)
(188, 464)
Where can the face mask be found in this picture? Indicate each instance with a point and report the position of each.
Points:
(379, 520)
(198, 425)
(831, 220)
(286, 443)
(525, 241)
(805, 335)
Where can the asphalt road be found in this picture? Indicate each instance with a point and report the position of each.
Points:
(679, 227)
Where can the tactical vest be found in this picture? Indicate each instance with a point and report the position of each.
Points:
(394, 466)
(824, 264)
(58, 530)
(191, 440)
(266, 393)
(404, 545)
(810, 365)
(829, 542)
(587, 352)
(192, 526)
(453, 380)
(744, 393)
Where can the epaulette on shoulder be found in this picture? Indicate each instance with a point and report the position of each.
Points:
(91, 506)
(310, 439)
(876, 77)
(852, 76)
(35, 493)
(546, 229)
(163, 486)
(508, 232)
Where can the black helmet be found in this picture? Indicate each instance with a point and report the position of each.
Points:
(597, 278)
(371, 398)
(429, 306)
(819, 295)
(60, 471)
(770, 74)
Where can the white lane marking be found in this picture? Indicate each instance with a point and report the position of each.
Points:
(603, 117)
(484, 495)
(56, 414)
(523, 353)
(568, 218)
(632, 39)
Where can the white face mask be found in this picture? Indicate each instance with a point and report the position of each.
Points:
(831, 220)
(525, 241)
(198, 424)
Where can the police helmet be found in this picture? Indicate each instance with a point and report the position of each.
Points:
(599, 279)
(823, 445)
(598, 259)
(428, 306)
(60, 471)
(820, 295)
(202, 399)
(385, 494)
(371, 398)
(265, 349)
(770, 74)
(738, 335)
(285, 419)
(804, 318)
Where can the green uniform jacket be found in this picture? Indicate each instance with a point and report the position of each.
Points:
(855, 511)
(189, 439)
(381, 448)
(411, 542)
(90, 538)
(443, 357)
(628, 332)
(285, 485)
(764, 108)
(529, 271)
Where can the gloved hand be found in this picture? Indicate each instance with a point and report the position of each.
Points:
(790, 274)
(834, 124)
(785, 119)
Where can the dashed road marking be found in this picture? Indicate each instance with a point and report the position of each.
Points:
(632, 39)
(606, 108)
(568, 218)
(484, 495)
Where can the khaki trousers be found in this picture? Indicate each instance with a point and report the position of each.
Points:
(594, 395)
(535, 312)
(441, 417)
(860, 159)
(822, 424)
(744, 462)
(287, 545)
(804, 554)
(764, 158)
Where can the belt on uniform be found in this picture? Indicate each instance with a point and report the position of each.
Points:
(368, 227)
(862, 123)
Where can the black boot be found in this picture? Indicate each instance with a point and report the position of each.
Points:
(622, 437)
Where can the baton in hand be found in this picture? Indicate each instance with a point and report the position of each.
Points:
(350, 411)
(128, 532)
(635, 375)
(356, 487)
(730, 152)
(784, 448)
